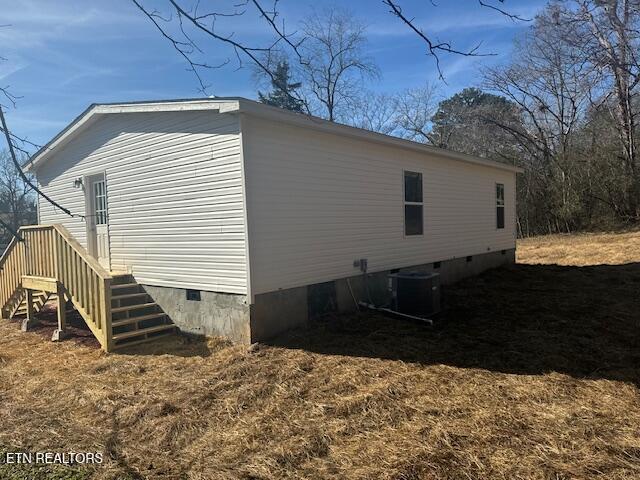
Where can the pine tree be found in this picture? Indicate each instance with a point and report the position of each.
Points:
(283, 93)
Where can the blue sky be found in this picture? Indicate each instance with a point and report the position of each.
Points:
(63, 56)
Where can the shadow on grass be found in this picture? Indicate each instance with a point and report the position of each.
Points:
(179, 345)
(523, 319)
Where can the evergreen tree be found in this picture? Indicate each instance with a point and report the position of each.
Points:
(477, 123)
(283, 93)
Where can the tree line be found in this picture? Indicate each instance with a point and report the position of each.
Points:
(563, 107)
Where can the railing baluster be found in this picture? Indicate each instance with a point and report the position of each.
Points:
(74, 274)
(99, 310)
(38, 250)
(45, 254)
(96, 297)
(80, 282)
(35, 251)
(85, 289)
(65, 261)
(52, 256)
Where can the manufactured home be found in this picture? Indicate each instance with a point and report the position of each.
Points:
(224, 216)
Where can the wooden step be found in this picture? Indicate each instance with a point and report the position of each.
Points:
(129, 295)
(142, 340)
(142, 331)
(130, 321)
(124, 285)
(120, 279)
(133, 307)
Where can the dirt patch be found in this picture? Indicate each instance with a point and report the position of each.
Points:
(533, 373)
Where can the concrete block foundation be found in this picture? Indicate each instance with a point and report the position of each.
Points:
(215, 314)
(229, 315)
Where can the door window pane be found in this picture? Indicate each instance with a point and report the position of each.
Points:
(100, 203)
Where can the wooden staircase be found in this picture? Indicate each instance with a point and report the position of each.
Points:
(135, 317)
(47, 264)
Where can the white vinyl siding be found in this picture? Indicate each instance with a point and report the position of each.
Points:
(174, 195)
(317, 201)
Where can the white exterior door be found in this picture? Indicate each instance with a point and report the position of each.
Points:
(98, 220)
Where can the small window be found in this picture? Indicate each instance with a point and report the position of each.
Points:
(413, 205)
(193, 295)
(500, 205)
(436, 265)
(469, 258)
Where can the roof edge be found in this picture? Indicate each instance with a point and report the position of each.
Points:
(250, 107)
(257, 109)
(94, 109)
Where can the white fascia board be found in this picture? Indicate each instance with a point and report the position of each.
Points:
(158, 107)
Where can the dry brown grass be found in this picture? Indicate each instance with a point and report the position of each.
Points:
(534, 374)
(581, 249)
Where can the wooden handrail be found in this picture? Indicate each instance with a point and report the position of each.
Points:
(12, 266)
(80, 250)
(50, 251)
(8, 247)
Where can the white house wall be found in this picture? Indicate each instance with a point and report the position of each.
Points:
(175, 201)
(318, 201)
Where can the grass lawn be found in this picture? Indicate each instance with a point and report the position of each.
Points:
(534, 373)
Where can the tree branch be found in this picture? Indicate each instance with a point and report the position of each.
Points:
(433, 48)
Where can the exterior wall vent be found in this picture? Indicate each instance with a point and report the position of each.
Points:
(193, 295)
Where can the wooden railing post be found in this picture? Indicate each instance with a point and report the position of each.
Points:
(61, 332)
(105, 312)
(29, 322)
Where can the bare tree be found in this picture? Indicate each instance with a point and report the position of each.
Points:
(375, 112)
(414, 109)
(17, 200)
(333, 63)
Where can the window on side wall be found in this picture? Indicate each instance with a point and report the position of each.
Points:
(413, 204)
(500, 205)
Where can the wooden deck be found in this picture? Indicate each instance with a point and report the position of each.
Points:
(47, 262)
